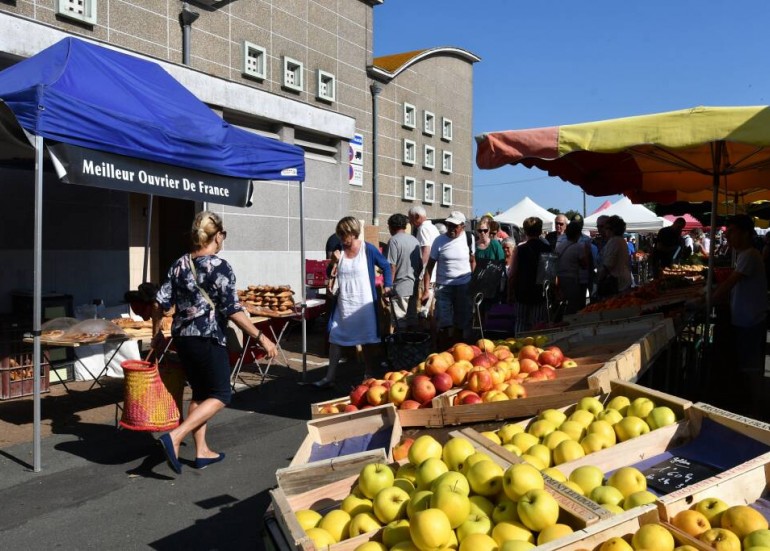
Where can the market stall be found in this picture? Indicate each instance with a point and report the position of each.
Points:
(103, 118)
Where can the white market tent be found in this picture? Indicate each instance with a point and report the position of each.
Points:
(523, 210)
(638, 218)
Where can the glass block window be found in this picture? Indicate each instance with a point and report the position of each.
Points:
(446, 195)
(410, 115)
(430, 191)
(410, 185)
(326, 86)
(429, 157)
(446, 129)
(409, 152)
(254, 61)
(429, 123)
(293, 74)
(79, 10)
(446, 161)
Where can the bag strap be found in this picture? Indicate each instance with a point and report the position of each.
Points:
(201, 289)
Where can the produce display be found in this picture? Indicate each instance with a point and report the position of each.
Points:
(22, 370)
(442, 497)
(555, 437)
(258, 299)
(483, 372)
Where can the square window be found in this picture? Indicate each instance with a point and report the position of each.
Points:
(409, 188)
(429, 123)
(430, 191)
(254, 61)
(79, 10)
(446, 162)
(446, 129)
(446, 195)
(410, 115)
(327, 86)
(409, 152)
(429, 159)
(293, 78)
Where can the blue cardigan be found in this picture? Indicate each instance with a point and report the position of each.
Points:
(373, 257)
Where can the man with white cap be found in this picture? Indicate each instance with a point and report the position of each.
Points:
(452, 257)
(426, 233)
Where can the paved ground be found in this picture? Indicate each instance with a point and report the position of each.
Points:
(102, 488)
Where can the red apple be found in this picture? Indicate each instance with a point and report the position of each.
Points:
(476, 350)
(436, 363)
(502, 352)
(377, 395)
(547, 357)
(559, 355)
(497, 373)
(530, 352)
(479, 381)
(462, 351)
(485, 345)
(458, 371)
(528, 365)
(462, 394)
(515, 391)
(442, 382)
(471, 399)
(369, 382)
(485, 359)
(536, 376)
(423, 390)
(550, 372)
(401, 451)
(329, 408)
(358, 395)
(350, 407)
(409, 404)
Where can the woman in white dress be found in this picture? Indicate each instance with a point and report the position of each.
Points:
(354, 319)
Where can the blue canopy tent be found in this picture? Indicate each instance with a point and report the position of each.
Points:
(112, 120)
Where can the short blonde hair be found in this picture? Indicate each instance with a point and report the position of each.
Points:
(205, 228)
(348, 226)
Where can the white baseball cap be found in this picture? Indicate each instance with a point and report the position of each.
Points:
(456, 217)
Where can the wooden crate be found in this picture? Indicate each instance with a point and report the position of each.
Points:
(320, 486)
(740, 485)
(337, 428)
(423, 417)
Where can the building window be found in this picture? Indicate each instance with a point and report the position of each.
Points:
(429, 123)
(446, 162)
(326, 86)
(254, 61)
(410, 115)
(446, 195)
(446, 129)
(429, 159)
(409, 152)
(79, 10)
(293, 74)
(430, 191)
(409, 188)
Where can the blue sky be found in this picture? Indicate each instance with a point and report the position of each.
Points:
(547, 63)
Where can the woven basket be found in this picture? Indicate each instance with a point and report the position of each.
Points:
(148, 404)
(406, 349)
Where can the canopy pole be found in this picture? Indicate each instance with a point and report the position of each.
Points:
(145, 266)
(716, 154)
(37, 308)
(303, 306)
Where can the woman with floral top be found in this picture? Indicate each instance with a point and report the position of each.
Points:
(201, 286)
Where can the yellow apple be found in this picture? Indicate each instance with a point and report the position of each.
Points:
(573, 429)
(337, 523)
(453, 502)
(533, 460)
(691, 521)
(757, 538)
(478, 542)
(582, 416)
(486, 478)
(607, 495)
(569, 450)
(472, 460)
(555, 416)
(538, 510)
(638, 499)
(610, 415)
(353, 505)
(492, 435)
(455, 451)
(474, 524)
(513, 449)
(541, 452)
(374, 477)
(587, 477)
(556, 437)
(308, 518)
(520, 478)
(408, 471)
(628, 480)
(455, 480)
(423, 447)
(604, 428)
(653, 537)
(430, 529)
(553, 532)
(555, 473)
(321, 538)
(516, 545)
(481, 505)
(721, 539)
(428, 471)
(507, 432)
(743, 520)
(619, 404)
(374, 545)
(505, 531)
(405, 484)
(541, 428)
(418, 501)
(390, 504)
(630, 427)
(640, 407)
(660, 416)
(616, 544)
(524, 441)
(595, 442)
(574, 486)
(712, 508)
(590, 403)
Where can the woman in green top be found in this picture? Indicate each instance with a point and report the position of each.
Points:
(487, 248)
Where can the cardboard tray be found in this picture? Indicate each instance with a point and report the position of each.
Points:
(331, 429)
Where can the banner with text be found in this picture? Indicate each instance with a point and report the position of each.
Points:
(89, 167)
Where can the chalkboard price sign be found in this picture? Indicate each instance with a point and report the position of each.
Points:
(676, 473)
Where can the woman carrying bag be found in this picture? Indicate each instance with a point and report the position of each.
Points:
(201, 286)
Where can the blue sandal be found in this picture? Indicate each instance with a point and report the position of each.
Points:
(203, 462)
(168, 448)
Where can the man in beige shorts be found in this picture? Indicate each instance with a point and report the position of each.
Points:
(426, 233)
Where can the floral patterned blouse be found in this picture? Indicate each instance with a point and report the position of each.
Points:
(194, 316)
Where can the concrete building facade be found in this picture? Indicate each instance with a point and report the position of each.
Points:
(300, 71)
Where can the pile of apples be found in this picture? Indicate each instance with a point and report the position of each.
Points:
(553, 437)
(485, 372)
(710, 520)
(449, 496)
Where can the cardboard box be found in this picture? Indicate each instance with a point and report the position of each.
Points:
(331, 434)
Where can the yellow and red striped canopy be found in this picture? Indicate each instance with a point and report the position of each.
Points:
(662, 157)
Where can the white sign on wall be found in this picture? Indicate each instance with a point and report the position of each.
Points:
(356, 160)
